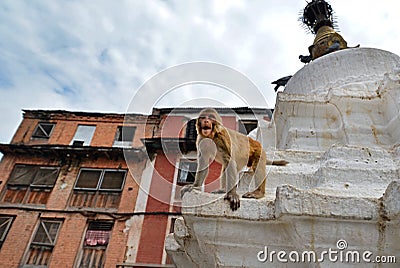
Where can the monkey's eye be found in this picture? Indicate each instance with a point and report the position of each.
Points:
(208, 116)
(211, 116)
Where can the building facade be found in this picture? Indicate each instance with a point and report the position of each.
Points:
(84, 189)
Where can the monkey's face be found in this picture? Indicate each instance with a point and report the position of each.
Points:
(206, 124)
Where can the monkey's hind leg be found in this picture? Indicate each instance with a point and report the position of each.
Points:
(260, 178)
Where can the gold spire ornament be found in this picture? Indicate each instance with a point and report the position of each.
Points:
(318, 18)
(326, 41)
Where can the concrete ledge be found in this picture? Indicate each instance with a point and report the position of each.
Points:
(213, 205)
(294, 202)
(211, 235)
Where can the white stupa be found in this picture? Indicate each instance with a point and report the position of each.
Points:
(338, 124)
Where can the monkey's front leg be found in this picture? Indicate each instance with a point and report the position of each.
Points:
(222, 183)
(201, 174)
(231, 182)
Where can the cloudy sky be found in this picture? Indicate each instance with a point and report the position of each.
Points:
(94, 55)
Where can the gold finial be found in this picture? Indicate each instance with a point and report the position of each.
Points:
(326, 41)
(318, 17)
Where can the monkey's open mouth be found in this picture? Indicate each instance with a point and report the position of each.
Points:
(206, 127)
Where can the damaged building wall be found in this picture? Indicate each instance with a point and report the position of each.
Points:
(67, 211)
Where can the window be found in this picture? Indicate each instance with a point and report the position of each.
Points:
(191, 132)
(5, 225)
(98, 233)
(246, 126)
(124, 136)
(30, 184)
(172, 226)
(171, 230)
(187, 171)
(95, 243)
(43, 130)
(83, 135)
(98, 188)
(43, 242)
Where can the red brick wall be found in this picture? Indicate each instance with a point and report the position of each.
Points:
(230, 122)
(65, 128)
(131, 188)
(18, 237)
(117, 246)
(6, 166)
(24, 131)
(151, 246)
(69, 239)
(72, 231)
(66, 180)
(172, 126)
(63, 133)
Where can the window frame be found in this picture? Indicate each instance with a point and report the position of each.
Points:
(85, 245)
(36, 168)
(44, 186)
(89, 253)
(84, 140)
(191, 131)
(47, 135)
(9, 221)
(50, 246)
(100, 180)
(97, 198)
(42, 224)
(193, 173)
(119, 136)
(242, 125)
(29, 187)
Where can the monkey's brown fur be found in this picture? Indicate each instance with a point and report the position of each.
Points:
(233, 151)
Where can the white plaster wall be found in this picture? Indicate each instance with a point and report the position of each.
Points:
(133, 226)
(354, 72)
(314, 114)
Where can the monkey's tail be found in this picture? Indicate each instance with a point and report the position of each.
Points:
(277, 162)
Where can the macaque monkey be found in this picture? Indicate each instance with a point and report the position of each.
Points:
(234, 151)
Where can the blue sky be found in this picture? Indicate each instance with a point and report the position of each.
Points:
(91, 55)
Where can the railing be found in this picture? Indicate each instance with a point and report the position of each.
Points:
(95, 199)
(92, 257)
(38, 256)
(18, 195)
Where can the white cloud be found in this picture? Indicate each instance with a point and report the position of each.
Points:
(93, 55)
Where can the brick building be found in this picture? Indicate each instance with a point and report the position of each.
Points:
(84, 189)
